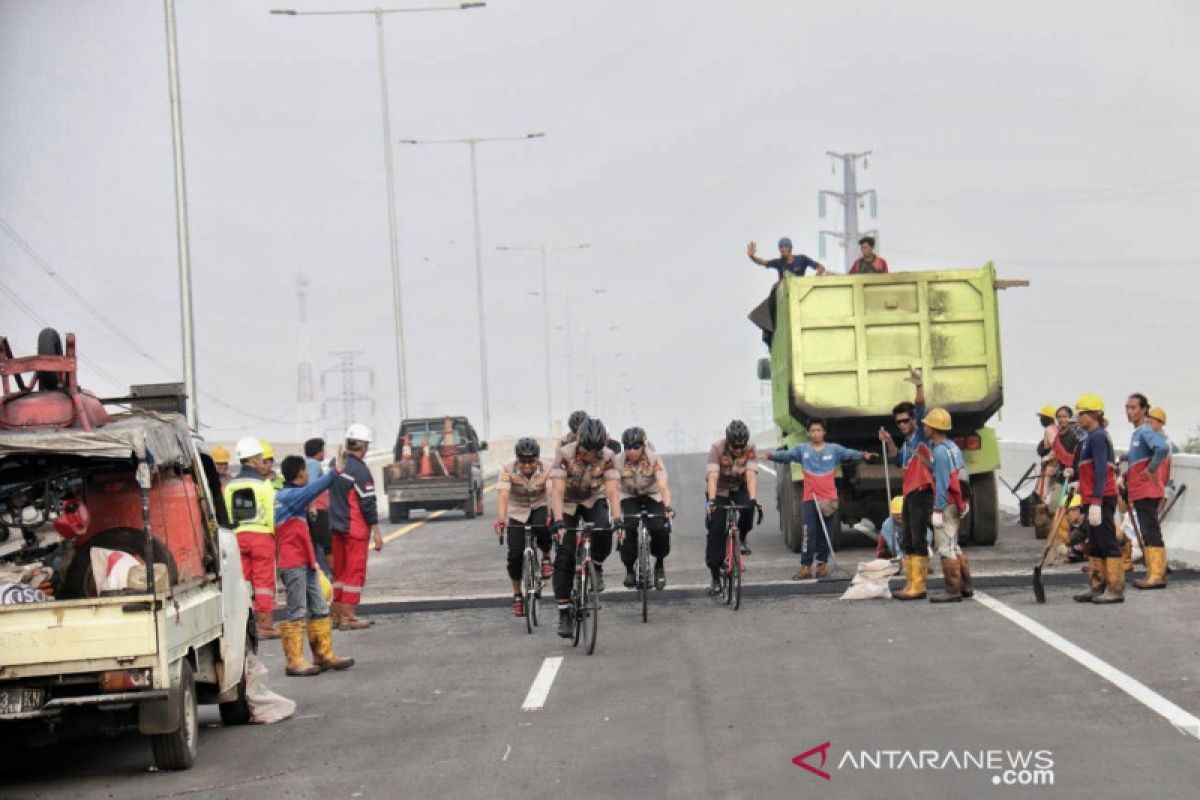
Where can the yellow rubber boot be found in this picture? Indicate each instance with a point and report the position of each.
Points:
(320, 639)
(1127, 555)
(1114, 570)
(1156, 570)
(292, 635)
(1096, 581)
(917, 567)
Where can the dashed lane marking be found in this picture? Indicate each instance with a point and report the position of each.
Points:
(1182, 720)
(540, 689)
(412, 526)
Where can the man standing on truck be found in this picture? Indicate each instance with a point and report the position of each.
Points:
(787, 262)
(916, 459)
(949, 506)
(731, 480)
(1144, 482)
(644, 487)
(353, 522)
(250, 499)
(870, 263)
(1097, 485)
(523, 498)
(586, 489)
(307, 611)
(820, 461)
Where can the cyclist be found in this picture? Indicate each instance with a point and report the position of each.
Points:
(586, 486)
(524, 499)
(644, 487)
(573, 422)
(731, 479)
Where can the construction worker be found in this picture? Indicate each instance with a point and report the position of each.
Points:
(787, 262)
(889, 544)
(273, 476)
(524, 499)
(1097, 486)
(220, 457)
(916, 459)
(1075, 521)
(307, 614)
(353, 523)
(1145, 485)
(250, 499)
(586, 487)
(318, 512)
(870, 262)
(949, 506)
(820, 461)
(731, 479)
(644, 486)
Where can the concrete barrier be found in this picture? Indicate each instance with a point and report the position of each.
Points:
(1181, 529)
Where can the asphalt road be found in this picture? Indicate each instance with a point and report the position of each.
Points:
(702, 701)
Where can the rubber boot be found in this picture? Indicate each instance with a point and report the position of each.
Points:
(265, 620)
(320, 640)
(1096, 581)
(965, 587)
(1114, 570)
(350, 621)
(916, 571)
(292, 634)
(951, 591)
(822, 571)
(566, 625)
(804, 573)
(1156, 570)
(1127, 555)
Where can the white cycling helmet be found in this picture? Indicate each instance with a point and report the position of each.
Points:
(358, 432)
(247, 447)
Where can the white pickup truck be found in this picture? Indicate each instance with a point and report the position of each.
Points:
(78, 660)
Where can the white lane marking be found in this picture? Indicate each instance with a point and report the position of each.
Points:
(767, 469)
(541, 684)
(1183, 721)
(507, 752)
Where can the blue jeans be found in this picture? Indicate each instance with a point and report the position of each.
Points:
(304, 598)
(815, 543)
(323, 561)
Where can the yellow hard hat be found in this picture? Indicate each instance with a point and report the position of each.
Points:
(1076, 501)
(1047, 411)
(1089, 402)
(1158, 413)
(220, 454)
(938, 419)
(897, 505)
(267, 450)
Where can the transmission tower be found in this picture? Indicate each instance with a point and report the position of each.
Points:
(349, 398)
(305, 402)
(852, 200)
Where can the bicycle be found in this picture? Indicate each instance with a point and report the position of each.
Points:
(532, 582)
(585, 600)
(735, 563)
(643, 569)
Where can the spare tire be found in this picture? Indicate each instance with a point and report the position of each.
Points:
(78, 581)
(49, 344)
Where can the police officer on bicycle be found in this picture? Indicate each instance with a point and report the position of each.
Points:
(732, 480)
(524, 499)
(585, 488)
(644, 487)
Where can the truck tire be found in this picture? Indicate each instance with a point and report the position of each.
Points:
(78, 581)
(177, 750)
(985, 509)
(49, 344)
(237, 712)
(397, 512)
(790, 519)
(469, 507)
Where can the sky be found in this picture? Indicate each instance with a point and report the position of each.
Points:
(1056, 139)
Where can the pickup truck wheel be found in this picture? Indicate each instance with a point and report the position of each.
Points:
(177, 750)
(237, 712)
(397, 512)
(470, 507)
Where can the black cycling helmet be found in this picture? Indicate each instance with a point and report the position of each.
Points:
(633, 437)
(592, 435)
(575, 420)
(737, 434)
(527, 448)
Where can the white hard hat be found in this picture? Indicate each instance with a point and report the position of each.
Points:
(358, 432)
(247, 447)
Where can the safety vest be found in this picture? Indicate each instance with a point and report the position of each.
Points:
(251, 505)
(918, 472)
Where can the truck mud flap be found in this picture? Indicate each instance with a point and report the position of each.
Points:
(162, 716)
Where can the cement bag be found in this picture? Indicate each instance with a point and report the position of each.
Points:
(110, 569)
(871, 581)
(266, 707)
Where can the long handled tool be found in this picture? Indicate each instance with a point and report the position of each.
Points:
(837, 569)
(1166, 509)
(1137, 528)
(887, 481)
(1021, 483)
(1039, 589)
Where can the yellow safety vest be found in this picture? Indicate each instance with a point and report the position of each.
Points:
(256, 497)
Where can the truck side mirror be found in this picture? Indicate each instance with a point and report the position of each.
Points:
(764, 369)
(482, 446)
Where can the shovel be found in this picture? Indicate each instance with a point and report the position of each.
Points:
(1171, 504)
(837, 569)
(1039, 589)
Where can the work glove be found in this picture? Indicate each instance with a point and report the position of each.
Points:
(1094, 515)
(499, 527)
(938, 519)
(966, 509)
(1073, 487)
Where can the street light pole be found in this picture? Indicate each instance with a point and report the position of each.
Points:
(389, 167)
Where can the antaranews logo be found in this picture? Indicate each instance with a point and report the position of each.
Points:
(1007, 767)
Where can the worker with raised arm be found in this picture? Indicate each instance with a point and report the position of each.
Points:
(916, 460)
(787, 262)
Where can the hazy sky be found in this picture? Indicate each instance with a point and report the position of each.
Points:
(1057, 139)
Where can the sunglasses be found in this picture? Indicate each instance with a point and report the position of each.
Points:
(904, 421)
(527, 461)
(637, 446)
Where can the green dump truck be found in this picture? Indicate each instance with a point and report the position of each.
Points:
(841, 348)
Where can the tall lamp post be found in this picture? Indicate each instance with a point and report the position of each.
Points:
(471, 143)
(393, 237)
(543, 250)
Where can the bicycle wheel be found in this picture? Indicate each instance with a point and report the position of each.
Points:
(727, 572)
(577, 608)
(644, 578)
(529, 585)
(591, 609)
(735, 579)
